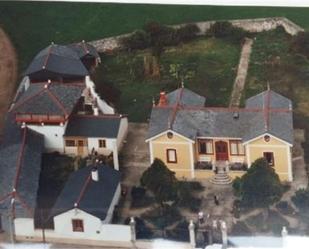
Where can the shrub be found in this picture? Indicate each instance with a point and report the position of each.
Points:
(162, 218)
(138, 40)
(301, 199)
(240, 229)
(260, 186)
(239, 166)
(185, 198)
(187, 32)
(142, 231)
(284, 207)
(300, 43)
(226, 30)
(180, 232)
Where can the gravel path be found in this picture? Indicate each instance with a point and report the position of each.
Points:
(240, 79)
(8, 74)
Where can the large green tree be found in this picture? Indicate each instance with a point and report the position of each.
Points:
(160, 181)
(260, 186)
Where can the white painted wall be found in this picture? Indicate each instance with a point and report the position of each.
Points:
(94, 229)
(122, 133)
(115, 201)
(104, 107)
(53, 136)
(94, 143)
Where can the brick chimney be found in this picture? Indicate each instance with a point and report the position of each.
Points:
(163, 99)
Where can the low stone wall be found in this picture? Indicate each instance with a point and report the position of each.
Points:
(252, 25)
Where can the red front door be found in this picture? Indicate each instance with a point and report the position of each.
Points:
(221, 151)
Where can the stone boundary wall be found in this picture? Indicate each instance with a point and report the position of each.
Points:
(253, 25)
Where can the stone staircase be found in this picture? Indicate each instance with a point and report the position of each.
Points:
(222, 177)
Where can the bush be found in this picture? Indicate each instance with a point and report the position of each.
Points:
(180, 232)
(138, 192)
(162, 218)
(185, 198)
(226, 30)
(284, 207)
(301, 199)
(142, 231)
(240, 229)
(300, 43)
(138, 40)
(187, 32)
(239, 166)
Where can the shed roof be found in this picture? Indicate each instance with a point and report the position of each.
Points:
(93, 197)
(20, 166)
(105, 126)
(56, 59)
(84, 49)
(49, 98)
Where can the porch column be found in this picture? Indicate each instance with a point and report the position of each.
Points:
(150, 152)
(248, 155)
(192, 161)
(290, 175)
(115, 156)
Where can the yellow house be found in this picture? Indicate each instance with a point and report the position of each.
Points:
(199, 142)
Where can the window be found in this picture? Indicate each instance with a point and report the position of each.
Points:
(70, 143)
(269, 156)
(236, 148)
(102, 143)
(171, 156)
(205, 146)
(77, 225)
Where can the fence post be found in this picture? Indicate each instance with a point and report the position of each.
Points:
(284, 234)
(192, 234)
(224, 234)
(133, 232)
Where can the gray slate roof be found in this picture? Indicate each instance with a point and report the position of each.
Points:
(104, 126)
(84, 49)
(186, 98)
(98, 195)
(219, 122)
(21, 159)
(57, 59)
(51, 100)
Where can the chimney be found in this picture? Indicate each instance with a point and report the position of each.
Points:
(163, 99)
(95, 174)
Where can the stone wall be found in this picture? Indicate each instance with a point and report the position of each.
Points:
(253, 25)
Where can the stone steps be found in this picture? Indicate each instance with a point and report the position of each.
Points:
(221, 178)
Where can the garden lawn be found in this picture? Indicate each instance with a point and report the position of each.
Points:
(33, 25)
(207, 65)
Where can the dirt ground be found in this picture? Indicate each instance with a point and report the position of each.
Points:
(8, 74)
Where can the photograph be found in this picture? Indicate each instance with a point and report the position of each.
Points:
(154, 124)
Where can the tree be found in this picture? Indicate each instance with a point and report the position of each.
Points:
(260, 186)
(301, 199)
(160, 181)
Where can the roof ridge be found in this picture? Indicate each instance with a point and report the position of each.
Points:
(175, 109)
(83, 190)
(48, 55)
(19, 159)
(57, 101)
(99, 116)
(27, 99)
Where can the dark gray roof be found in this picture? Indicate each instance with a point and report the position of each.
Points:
(105, 126)
(57, 59)
(56, 99)
(220, 122)
(84, 49)
(185, 97)
(276, 101)
(20, 163)
(97, 196)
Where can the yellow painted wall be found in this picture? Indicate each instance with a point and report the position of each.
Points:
(182, 147)
(280, 150)
(212, 157)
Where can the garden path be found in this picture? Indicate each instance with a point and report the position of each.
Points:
(240, 79)
(8, 74)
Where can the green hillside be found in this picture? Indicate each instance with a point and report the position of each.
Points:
(33, 25)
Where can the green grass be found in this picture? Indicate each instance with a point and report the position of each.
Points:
(33, 25)
(208, 65)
